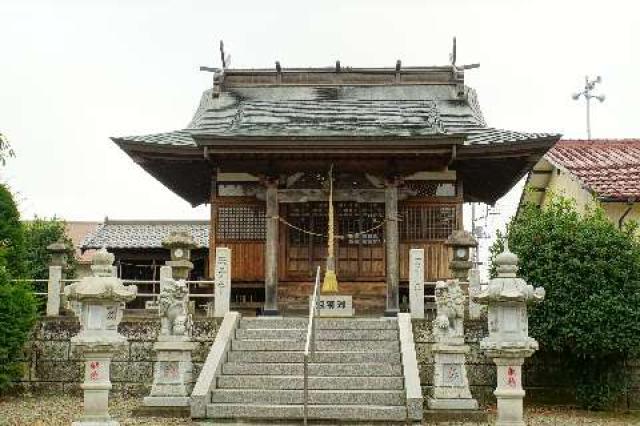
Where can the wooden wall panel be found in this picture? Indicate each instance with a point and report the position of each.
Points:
(247, 260)
(436, 260)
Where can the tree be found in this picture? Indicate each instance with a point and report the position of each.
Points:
(590, 270)
(38, 234)
(11, 235)
(5, 150)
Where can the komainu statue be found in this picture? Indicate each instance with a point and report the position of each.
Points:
(173, 305)
(449, 322)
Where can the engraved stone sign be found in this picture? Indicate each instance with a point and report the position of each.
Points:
(416, 283)
(335, 305)
(222, 277)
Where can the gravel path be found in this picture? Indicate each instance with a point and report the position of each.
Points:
(49, 410)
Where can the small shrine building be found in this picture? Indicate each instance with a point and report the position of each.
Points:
(407, 146)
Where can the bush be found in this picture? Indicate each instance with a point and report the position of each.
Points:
(17, 317)
(591, 273)
(38, 234)
(11, 235)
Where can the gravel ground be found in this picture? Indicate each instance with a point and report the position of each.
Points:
(44, 410)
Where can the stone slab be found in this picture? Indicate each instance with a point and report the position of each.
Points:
(222, 278)
(452, 404)
(456, 416)
(167, 401)
(416, 283)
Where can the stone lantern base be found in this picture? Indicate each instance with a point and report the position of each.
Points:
(172, 377)
(450, 383)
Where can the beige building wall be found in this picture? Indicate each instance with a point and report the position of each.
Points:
(565, 184)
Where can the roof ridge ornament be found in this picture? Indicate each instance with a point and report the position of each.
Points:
(457, 72)
(218, 73)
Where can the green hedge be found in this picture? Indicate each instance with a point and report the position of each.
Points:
(590, 270)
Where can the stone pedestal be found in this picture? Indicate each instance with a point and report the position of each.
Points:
(450, 383)
(96, 388)
(172, 377)
(509, 393)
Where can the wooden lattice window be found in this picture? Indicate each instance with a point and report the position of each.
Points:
(427, 222)
(245, 223)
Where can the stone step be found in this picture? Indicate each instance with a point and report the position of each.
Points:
(322, 397)
(322, 345)
(323, 357)
(333, 412)
(321, 334)
(322, 369)
(297, 382)
(321, 323)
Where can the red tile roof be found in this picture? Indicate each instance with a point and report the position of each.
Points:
(608, 167)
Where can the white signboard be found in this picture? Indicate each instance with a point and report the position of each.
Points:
(416, 283)
(222, 278)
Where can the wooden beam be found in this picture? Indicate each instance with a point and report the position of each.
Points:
(213, 224)
(392, 248)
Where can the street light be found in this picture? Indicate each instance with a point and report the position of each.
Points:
(589, 85)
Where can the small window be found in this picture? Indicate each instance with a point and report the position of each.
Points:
(245, 223)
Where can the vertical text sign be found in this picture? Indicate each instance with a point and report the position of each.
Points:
(222, 278)
(416, 283)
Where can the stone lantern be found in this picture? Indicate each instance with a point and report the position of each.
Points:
(508, 342)
(58, 252)
(180, 244)
(461, 243)
(100, 298)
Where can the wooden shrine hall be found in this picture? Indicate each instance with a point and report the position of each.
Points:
(408, 145)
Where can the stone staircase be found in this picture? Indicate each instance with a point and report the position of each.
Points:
(356, 373)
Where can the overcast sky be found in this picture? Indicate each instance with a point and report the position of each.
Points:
(74, 73)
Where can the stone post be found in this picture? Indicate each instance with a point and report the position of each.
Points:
(100, 298)
(416, 283)
(55, 286)
(392, 256)
(172, 373)
(180, 243)
(222, 277)
(508, 343)
(271, 249)
(450, 382)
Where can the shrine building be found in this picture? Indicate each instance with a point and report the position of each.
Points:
(407, 146)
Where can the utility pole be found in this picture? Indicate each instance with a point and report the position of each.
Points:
(589, 85)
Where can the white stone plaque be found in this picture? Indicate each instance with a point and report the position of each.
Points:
(416, 283)
(95, 315)
(335, 305)
(222, 278)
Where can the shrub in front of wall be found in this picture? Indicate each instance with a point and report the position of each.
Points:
(18, 313)
(590, 269)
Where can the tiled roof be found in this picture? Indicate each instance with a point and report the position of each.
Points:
(143, 234)
(78, 232)
(406, 110)
(610, 167)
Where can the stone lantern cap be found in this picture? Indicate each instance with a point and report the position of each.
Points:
(179, 239)
(102, 285)
(59, 247)
(461, 238)
(507, 287)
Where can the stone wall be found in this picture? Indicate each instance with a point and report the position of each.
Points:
(52, 365)
(545, 379)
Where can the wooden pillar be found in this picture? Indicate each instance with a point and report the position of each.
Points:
(392, 247)
(213, 203)
(271, 249)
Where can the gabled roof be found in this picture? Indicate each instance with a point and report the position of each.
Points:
(147, 234)
(388, 112)
(610, 168)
